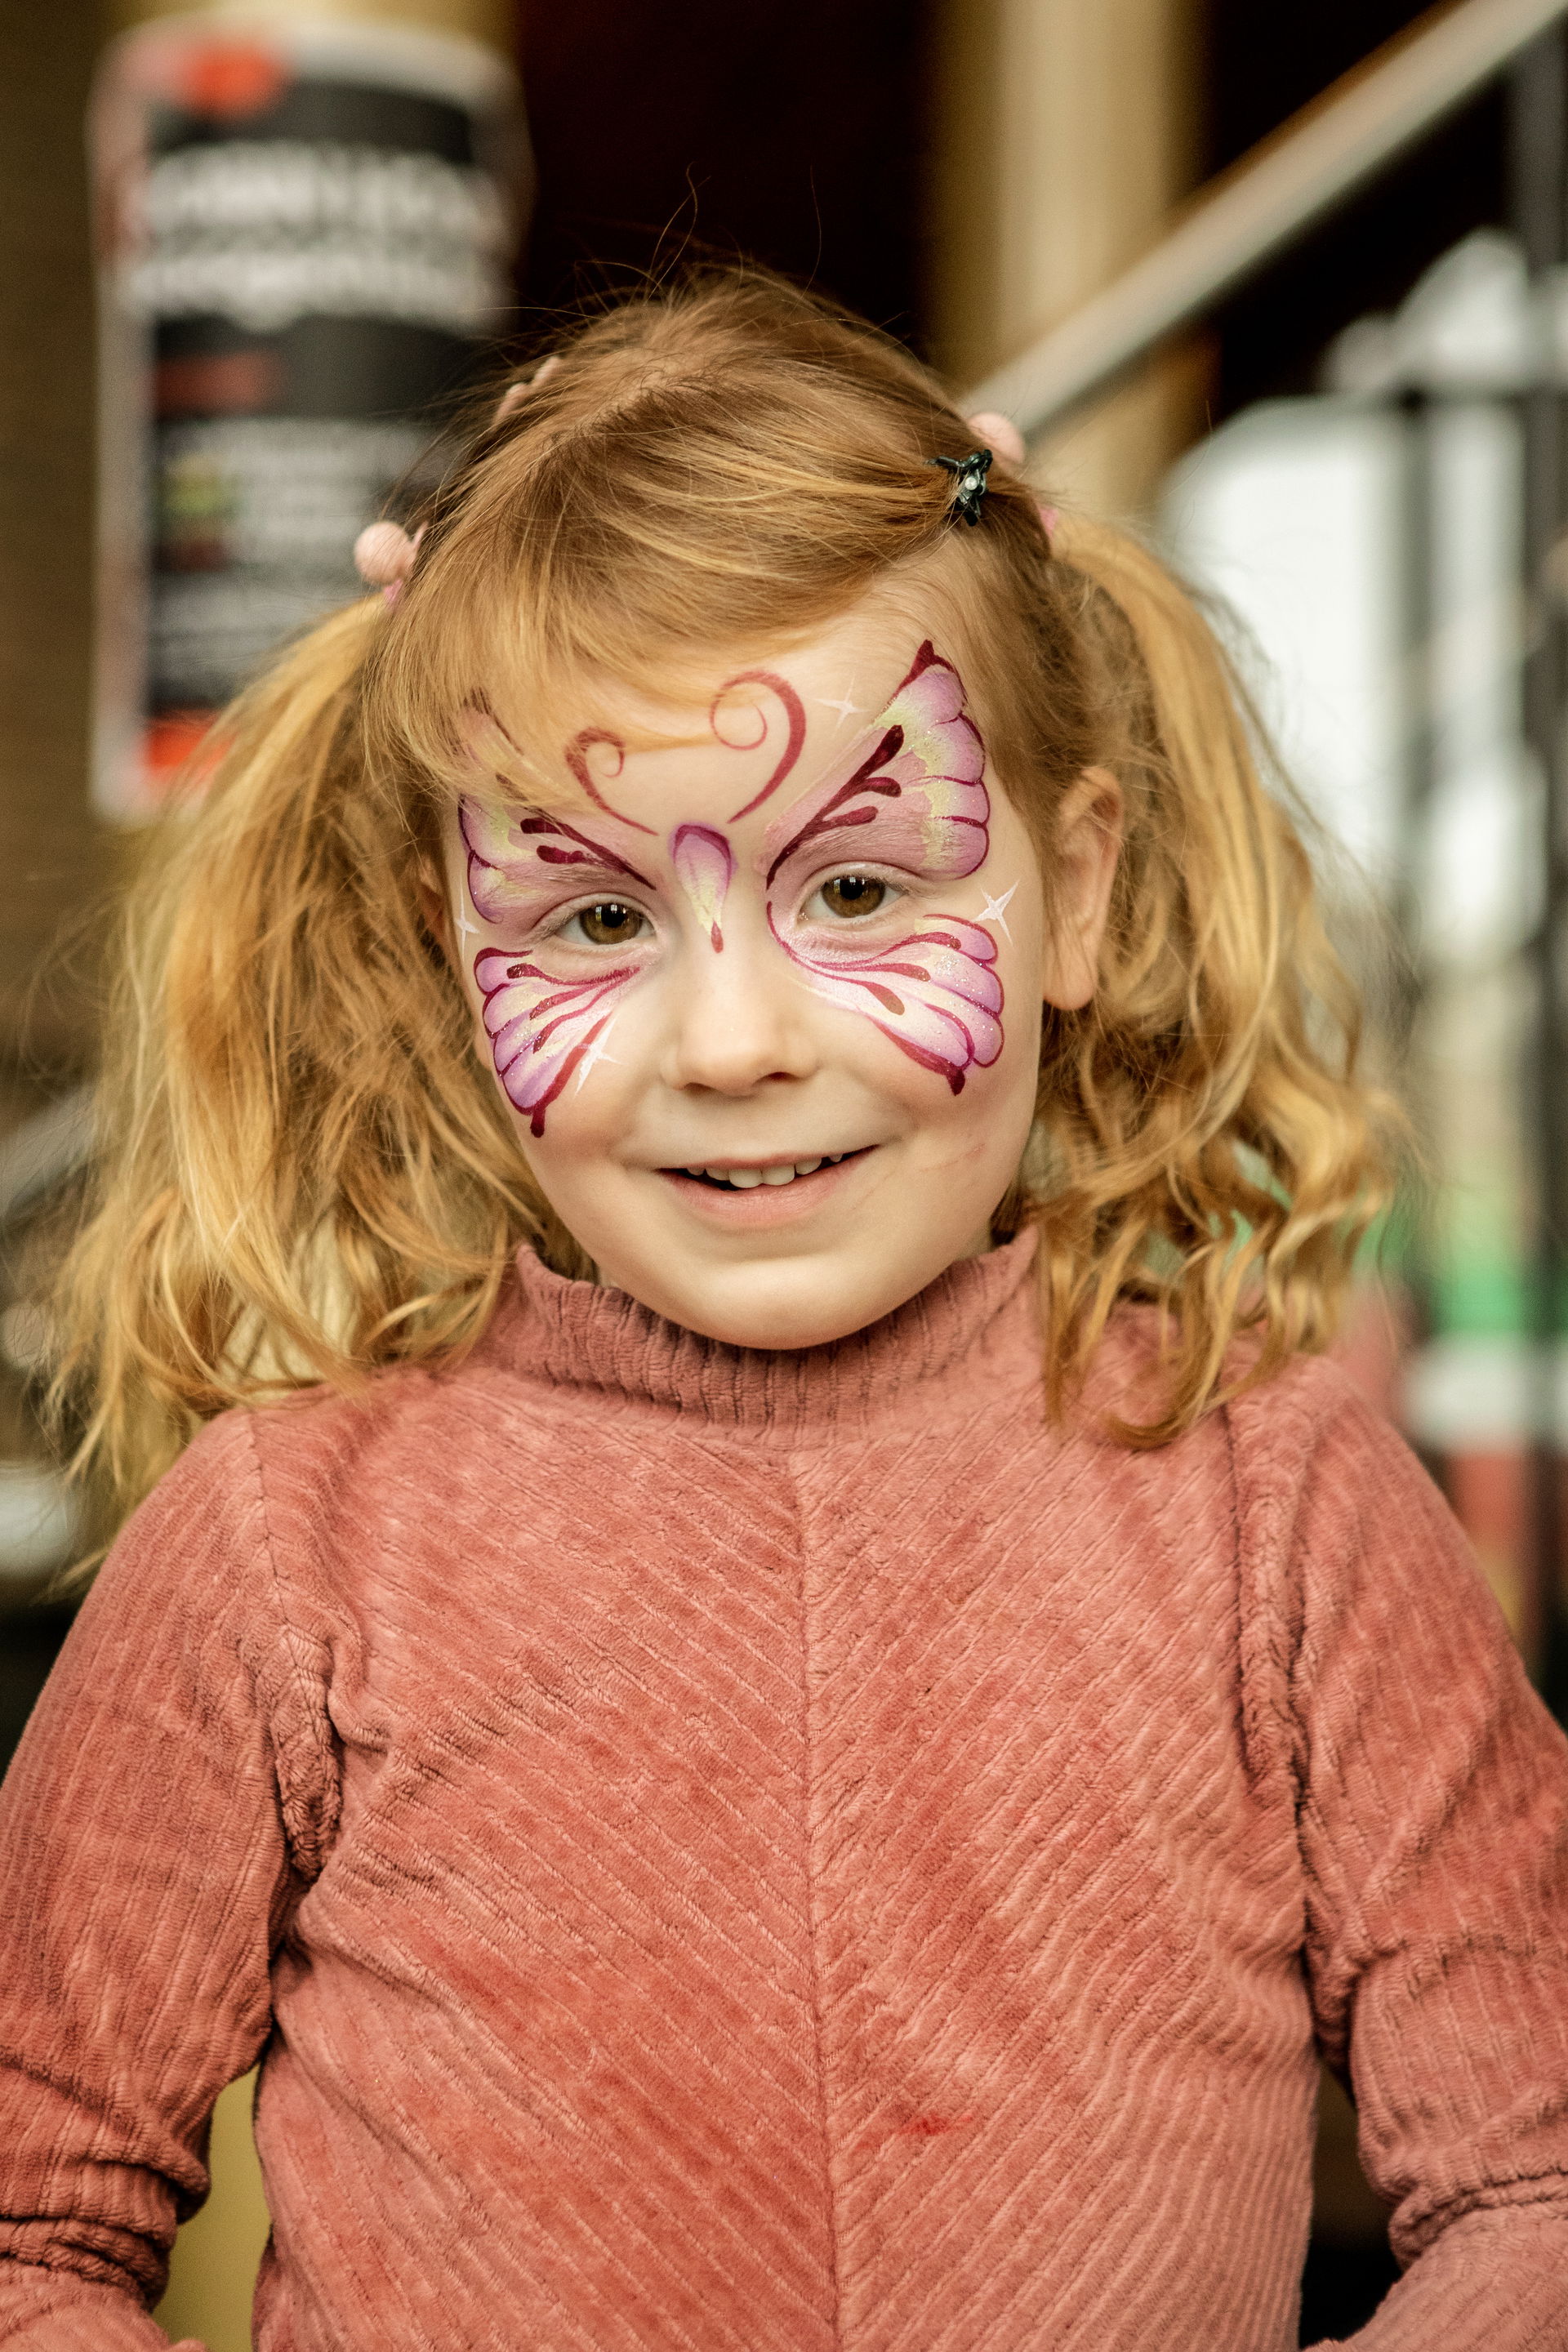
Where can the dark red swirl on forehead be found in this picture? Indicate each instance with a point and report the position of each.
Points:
(577, 753)
(794, 717)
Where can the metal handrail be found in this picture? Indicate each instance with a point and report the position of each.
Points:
(1265, 201)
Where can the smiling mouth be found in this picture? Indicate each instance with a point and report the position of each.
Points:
(774, 1174)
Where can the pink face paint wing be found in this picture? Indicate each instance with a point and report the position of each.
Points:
(514, 854)
(541, 1028)
(941, 764)
(920, 784)
(911, 794)
(704, 867)
(934, 992)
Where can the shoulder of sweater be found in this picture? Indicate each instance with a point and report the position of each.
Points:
(1287, 1429)
(325, 1431)
(1275, 1422)
(258, 1475)
(1335, 1509)
(1304, 1439)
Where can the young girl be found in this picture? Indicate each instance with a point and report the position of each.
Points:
(777, 1693)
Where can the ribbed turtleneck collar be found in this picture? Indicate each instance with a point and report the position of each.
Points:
(975, 1328)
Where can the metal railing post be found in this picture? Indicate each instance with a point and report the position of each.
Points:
(1538, 133)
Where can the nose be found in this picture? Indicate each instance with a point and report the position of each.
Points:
(740, 1018)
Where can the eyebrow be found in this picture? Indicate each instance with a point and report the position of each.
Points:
(598, 853)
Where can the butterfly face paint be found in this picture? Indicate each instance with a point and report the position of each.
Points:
(934, 992)
(916, 803)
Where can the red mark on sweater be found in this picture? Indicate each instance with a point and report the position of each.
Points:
(927, 2126)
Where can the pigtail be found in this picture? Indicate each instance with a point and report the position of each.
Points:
(300, 1172)
(1209, 1142)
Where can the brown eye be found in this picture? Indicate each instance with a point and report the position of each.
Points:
(609, 924)
(853, 894)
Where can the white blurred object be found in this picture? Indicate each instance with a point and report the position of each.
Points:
(44, 1151)
(1470, 325)
(1367, 542)
(39, 1520)
(1288, 517)
(1485, 1393)
(25, 1338)
(1294, 516)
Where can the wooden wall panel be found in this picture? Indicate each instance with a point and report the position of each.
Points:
(1064, 136)
(49, 851)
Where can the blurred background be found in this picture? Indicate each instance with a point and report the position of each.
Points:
(1288, 290)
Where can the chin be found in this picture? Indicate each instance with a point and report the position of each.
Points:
(793, 1313)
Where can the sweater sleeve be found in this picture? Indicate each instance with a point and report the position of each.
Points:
(1432, 1817)
(146, 1867)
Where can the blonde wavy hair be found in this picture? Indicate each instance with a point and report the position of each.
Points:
(305, 1172)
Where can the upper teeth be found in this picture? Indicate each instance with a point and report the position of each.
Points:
(744, 1178)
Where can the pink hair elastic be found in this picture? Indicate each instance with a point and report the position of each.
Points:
(515, 393)
(1002, 433)
(384, 556)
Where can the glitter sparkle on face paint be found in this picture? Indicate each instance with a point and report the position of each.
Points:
(994, 911)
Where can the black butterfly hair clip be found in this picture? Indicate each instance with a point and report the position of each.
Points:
(969, 482)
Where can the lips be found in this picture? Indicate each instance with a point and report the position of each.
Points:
(762, 1192)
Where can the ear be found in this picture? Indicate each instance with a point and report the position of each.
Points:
(433, 905)
(1083, 868)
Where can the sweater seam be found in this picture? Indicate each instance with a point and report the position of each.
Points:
(1275, 1572)
(296, 1664)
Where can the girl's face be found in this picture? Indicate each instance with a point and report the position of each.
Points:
(762, 986)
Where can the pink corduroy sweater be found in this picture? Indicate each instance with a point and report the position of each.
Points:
(772, 1854)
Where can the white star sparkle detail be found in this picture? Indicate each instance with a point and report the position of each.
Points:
(465, 930)
(844, 706)
(596, 1054)
(994, 911)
